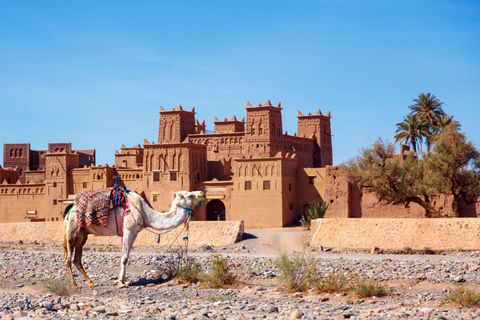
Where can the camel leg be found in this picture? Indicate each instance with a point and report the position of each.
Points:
(128, 239)
(77, 261)
(69, 244)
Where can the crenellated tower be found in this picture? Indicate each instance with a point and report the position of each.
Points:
(317, 126)
(263, 132)
(176, 125)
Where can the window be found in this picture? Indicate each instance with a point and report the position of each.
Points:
(311, 180)
(290, 206)
(155, 198)
(289, 187)
(54, 202)
(248, 185)
(173, 176)
(85, 185)
(266, 185)
(156, 176)
(54, 184)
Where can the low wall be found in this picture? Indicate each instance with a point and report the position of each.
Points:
(212, 233)
(438, 234)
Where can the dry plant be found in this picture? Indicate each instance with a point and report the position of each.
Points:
(464, 297)
(332, 283)
(59, 287)
(366, 288)
(219, 274)
(295, 271)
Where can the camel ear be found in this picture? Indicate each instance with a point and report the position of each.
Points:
(180, 195)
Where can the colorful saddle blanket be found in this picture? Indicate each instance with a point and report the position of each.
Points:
(93, 206)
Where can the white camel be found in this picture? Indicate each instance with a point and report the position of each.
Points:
(140, 216)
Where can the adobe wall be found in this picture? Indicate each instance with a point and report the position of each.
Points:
(212, 233)
(438, 234)
(16, 200)
(346, 200)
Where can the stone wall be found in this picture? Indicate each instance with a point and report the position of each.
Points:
(212, 233)
(438, 234)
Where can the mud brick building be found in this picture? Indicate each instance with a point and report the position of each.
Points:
(250, 169)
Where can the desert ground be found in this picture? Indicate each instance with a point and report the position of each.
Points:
(420, 283)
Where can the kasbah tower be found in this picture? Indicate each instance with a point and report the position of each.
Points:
(250, 170)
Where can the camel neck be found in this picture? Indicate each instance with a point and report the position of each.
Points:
(165, 220)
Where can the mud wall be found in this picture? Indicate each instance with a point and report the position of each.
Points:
(212, 233)
(347, 200)
(437, 234)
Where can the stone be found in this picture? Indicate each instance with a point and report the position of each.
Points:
(295, 315)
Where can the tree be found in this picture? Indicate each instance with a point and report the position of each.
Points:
(411, 130)
(391, 177)
(454, 167)
(316, 210)
(428, 108)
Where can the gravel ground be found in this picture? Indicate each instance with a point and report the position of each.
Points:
(420, 281)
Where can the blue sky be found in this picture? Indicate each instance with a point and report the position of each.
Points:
(95, 73)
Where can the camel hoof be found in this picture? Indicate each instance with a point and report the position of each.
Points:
(123, 285)
(92, 285)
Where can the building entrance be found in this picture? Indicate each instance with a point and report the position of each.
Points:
(215, 211)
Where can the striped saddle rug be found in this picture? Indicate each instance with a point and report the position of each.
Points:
(93, 206)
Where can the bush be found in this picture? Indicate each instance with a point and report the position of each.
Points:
(316, 210)
(219, 273)
(59, 287)
(369, 288)
(190, 272)
(464, 297)
(295, 272)
(175, 261)
(332, 283)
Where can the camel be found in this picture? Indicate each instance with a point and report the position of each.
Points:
(140, 216)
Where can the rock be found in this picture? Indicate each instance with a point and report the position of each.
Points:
(298, 295)
(273, 310)
(295, 315)
(47, 305)
(99, 309)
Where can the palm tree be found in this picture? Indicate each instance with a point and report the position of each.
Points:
(446, 120)
(429, 109)
(442, 122)
(412, 130)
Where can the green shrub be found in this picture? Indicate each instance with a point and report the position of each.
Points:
(332, 283)
(368, 288)
(464, 297)
(316, 210)
(59, 287)
(219, 274)
(190, 272)
(295, 272)
(407, 249)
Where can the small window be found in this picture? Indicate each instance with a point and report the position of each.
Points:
(290, 206)
(289, 187)
(85, 185)
(156, 176)
(54, 184)
(155, 198)
(266, 185)
(311, 180)
(248, 185)
(54, 202)
(173, 176)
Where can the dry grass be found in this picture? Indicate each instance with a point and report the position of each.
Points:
(59, 287)
(464, 297)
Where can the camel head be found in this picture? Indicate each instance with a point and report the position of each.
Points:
(188, 199)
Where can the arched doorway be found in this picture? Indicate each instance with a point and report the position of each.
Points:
(215, 211)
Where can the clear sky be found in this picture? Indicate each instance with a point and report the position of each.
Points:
(95, 73)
